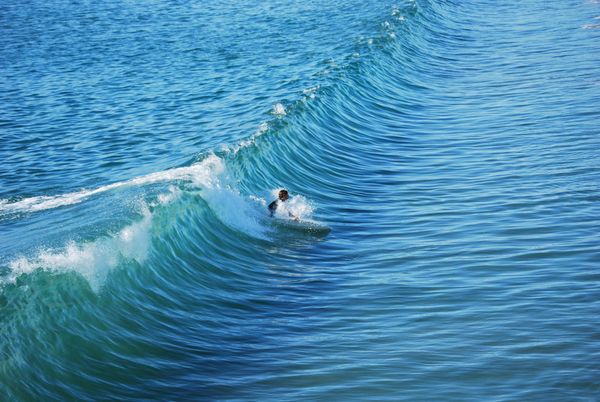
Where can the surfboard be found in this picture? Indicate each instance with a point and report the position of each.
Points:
(303, 225)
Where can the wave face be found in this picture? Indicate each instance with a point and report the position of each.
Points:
(442, 158)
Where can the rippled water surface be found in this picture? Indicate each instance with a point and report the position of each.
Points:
(442, 157)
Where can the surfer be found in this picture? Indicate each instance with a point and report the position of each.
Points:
(283, 197)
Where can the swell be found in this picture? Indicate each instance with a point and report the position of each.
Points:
(233, 182)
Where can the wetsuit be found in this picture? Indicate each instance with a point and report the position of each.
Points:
(273, 207)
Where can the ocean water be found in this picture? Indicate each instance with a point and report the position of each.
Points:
(447, 153)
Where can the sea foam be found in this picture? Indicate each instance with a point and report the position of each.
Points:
(201, 173)
(296, 206)
(93, 260)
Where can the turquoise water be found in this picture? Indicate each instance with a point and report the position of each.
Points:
(451, 147)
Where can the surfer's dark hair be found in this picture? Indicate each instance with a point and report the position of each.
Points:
(283, 193)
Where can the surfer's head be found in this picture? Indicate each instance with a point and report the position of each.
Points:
(283, 195)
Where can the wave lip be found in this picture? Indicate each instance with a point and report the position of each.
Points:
(201, 173)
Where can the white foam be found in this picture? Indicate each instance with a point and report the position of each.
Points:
(236, 211)
(296, 206)
(311, 92)
(200, 173)
(262, 128)
(396, 12)
(166, 198)
(279, 110)
(92, 260)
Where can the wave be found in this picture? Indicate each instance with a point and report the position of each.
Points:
(209, 179)
(208, 182)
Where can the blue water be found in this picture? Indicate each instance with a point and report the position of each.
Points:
(442, 156)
